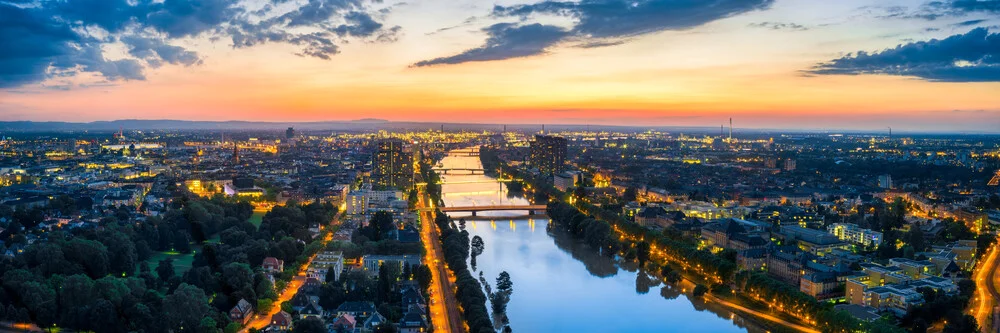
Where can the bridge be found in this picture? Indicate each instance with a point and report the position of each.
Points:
(471, 171)
(475, 209)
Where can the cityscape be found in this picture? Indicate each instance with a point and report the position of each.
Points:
(469, 166)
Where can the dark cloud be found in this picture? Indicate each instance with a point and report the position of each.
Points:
(183, 18)
(968, 23)
(29, 42)
(778, 26)
(317, 11)
(937, 9)
(600, 22)
(623, 18)
(359, 24)
(969, 57)
(600, 43)
(506, 41)
(61, 38)
(315, 45)
(154, 50)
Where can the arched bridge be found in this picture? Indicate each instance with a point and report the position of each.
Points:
(474, 209)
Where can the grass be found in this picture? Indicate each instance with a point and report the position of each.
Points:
(257, 218)
(182, 262)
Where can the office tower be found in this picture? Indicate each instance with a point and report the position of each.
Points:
(885, 181)
(289, 133)
(548, 154)
(790, 165)
(392, 166)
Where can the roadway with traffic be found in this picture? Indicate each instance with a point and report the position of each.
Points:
(986, 295)
(445, 315)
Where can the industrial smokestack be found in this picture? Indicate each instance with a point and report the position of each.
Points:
(730, 130)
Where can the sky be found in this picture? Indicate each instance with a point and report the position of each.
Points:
(802, 64)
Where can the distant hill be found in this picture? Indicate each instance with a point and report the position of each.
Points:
(366, 124)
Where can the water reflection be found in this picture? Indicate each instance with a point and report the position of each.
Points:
(563, 285)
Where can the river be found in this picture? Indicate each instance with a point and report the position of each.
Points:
(562, 285)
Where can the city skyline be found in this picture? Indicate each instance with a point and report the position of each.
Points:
(855, 65)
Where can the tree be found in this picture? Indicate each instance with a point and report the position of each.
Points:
(477, 245)
(699, 290)
(642, 253)
(309, 325)
(185, 307)
(423, 276)
(915, 238)
(165, 269)
(630, 194)
(208, 325)
(504, 284)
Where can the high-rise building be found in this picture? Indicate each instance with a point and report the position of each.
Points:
(790, 165)
(548, 154)
(289, 133)
(885, 181)
(392, 165)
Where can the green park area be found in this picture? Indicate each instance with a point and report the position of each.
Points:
(182, 262)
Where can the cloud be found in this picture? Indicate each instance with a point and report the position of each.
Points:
(359, 25)
(969, 57)
(62, 38)
(950, 8)
(625, 18)
(602, 22)
(779, 26)
(968, 23)
(506, 41)
(154, 50)
(29, 42)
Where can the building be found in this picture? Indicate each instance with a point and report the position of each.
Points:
(889, 289)
(548, 154)
(356, 309)
(371, 263)
(975, 220)
(242, 312)
(565, 180)
(344, 323)
(273, 265)
(392, 165)
(735, 234)
(885, 181)
(413, 321)
(850, 232)
(289, 133)
(356, 203)
(790, 164)
(811, 240)
(324, 262)
(823, 285)
(281, 321)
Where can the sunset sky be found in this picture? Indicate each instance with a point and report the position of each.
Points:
(845, 64)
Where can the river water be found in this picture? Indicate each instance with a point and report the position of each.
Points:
(562, 285)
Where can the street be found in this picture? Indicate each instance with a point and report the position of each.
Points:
(260, 321)
(444, 308)
(986, 295)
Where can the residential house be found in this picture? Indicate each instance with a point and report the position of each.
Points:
(242, 312)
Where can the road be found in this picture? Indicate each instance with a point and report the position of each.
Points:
(260, 321)
(986, 295)
(445, 315)
(762, 315)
